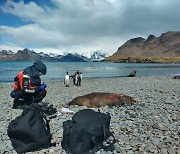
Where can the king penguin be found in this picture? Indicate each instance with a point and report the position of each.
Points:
(66, 80)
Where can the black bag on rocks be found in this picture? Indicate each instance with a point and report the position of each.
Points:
(30, 131)
(86, 132)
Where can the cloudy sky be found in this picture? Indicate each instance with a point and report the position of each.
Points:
(83, 25)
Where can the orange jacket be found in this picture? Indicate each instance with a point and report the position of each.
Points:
(23, 82)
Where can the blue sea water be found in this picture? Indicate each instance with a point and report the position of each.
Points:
(57, 70)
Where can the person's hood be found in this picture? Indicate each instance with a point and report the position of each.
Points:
(33, 70)
(40, 67)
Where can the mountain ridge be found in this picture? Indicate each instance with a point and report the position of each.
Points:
(162, 49)
(165, 48)
(30, 55)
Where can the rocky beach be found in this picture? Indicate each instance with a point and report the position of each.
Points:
(151, 125)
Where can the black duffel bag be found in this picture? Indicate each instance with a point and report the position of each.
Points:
(86, 132)
(30, 131)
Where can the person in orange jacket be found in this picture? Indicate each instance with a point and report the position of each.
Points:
(28, 87)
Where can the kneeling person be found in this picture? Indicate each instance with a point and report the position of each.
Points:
(27, 85)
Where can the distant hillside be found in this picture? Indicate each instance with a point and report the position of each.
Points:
(73, 58)
(24, 55)
(30, 55)
(165, 48)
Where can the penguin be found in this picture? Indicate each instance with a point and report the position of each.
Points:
(66, 80)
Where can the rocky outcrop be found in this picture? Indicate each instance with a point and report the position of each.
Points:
(149, 50)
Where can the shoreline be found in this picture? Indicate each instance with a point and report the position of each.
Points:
(92, 78)
(151, 125)
(57, 70)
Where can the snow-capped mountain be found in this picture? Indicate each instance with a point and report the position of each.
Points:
(31, 55)
(98, 56)
(73, 58)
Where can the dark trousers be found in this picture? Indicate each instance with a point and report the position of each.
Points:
(74, 80)
(27, 99)
(79, 82)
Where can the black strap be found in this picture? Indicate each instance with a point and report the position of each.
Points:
(99, 146)
(110, 147)
(65, 135)
(37, 106)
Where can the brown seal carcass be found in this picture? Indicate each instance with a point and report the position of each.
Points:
(100, 99)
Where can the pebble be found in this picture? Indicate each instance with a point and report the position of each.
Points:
(151, 125)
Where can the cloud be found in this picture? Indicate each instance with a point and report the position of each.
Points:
(11, 47)
(89, 25)
(30, 11)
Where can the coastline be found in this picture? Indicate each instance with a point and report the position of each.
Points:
(150, 125)
(94, 78)
(57, 70)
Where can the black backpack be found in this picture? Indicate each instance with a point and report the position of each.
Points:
(86, 132)
(30, 131)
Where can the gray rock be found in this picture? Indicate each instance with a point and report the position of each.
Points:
(155, 141)
(150, 125)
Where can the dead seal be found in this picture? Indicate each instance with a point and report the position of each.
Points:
(100, 99)
(132, 74)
